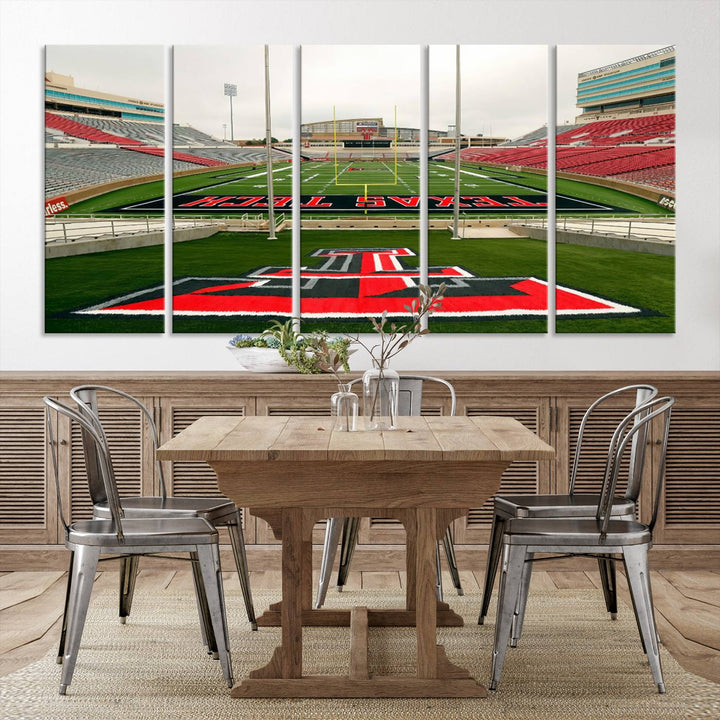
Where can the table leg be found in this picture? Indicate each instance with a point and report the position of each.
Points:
(292, 584)
(286, 662)
(425, 598)
(433, 666)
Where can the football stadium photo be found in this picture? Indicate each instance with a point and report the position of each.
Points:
(353, 371)
(340, 219)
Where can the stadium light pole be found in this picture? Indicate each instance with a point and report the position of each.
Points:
(456, 203)
(268, 149)
(231, 92)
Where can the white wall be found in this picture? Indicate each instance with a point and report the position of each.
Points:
(690, 24)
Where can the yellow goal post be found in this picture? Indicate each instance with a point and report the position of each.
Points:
(394, 169)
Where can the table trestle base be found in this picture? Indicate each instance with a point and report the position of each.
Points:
(329, 617)
(332, 686)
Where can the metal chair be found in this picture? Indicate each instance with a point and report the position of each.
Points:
(604, 536)
(130, 538)
(409, 403)
(218, 511)
(572, 504)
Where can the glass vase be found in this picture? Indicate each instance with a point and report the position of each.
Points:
(344, 408)
(380, 398)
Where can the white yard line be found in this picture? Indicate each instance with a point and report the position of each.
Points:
(204, 188)
(332, 179)
(400, 178)
(487, 177)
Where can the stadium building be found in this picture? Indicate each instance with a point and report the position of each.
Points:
(629, 88)
(61, 95)
(356, 132)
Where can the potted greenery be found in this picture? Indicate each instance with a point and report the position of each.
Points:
(281, 349)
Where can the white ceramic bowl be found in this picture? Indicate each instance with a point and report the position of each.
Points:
(261, 360)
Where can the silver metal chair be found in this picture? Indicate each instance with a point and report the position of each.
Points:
(572, 504)
(604, 535)
(123, 537)
(218, 511)
(409, 403)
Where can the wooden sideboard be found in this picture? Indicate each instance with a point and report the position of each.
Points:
(551, 404)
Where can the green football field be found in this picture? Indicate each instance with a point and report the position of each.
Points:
(87, 282)
(357, 178)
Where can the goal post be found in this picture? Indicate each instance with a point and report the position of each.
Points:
(375, 166)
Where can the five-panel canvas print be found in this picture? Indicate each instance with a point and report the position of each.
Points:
(327, 183)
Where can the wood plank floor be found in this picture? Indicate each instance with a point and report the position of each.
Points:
(687, 604)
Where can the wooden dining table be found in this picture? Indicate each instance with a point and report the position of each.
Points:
(294, 471)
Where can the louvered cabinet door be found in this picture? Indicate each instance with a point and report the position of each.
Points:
(690, 504)
(521, 477)
(28, 509)
(198, 479)
(131, 450)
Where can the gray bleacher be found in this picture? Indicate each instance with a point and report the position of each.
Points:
(149, 133)
(186, 136)
(67, 170)
(233, 155)
(535, 135)
(153, 134)
(58, 137)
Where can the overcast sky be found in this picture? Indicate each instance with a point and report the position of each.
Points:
(504, 88)
(200, 74)
(133, 70)
(361, 81)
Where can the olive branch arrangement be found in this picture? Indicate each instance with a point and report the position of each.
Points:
(395, 337)
(317, 352)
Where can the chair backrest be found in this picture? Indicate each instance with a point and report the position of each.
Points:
(410, 393)
(100, 455)
(643, 393)
(86, 397)
(635, 424)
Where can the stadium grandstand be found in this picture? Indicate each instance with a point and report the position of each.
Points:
(94, 137)
(626, 130)
(68, 170)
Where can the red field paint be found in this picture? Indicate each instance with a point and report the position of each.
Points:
(353, 283)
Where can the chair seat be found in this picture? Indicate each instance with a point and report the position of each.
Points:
(575, 532)
(146, 531)
(148, 506)
(558, 506)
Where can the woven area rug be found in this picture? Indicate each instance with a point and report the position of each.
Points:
(573, 662)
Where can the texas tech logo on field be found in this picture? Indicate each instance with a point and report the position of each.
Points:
(357, 282)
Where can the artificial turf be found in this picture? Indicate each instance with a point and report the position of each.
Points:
(637, 279)
(353, 178)
(80, 281)
(640, 280)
